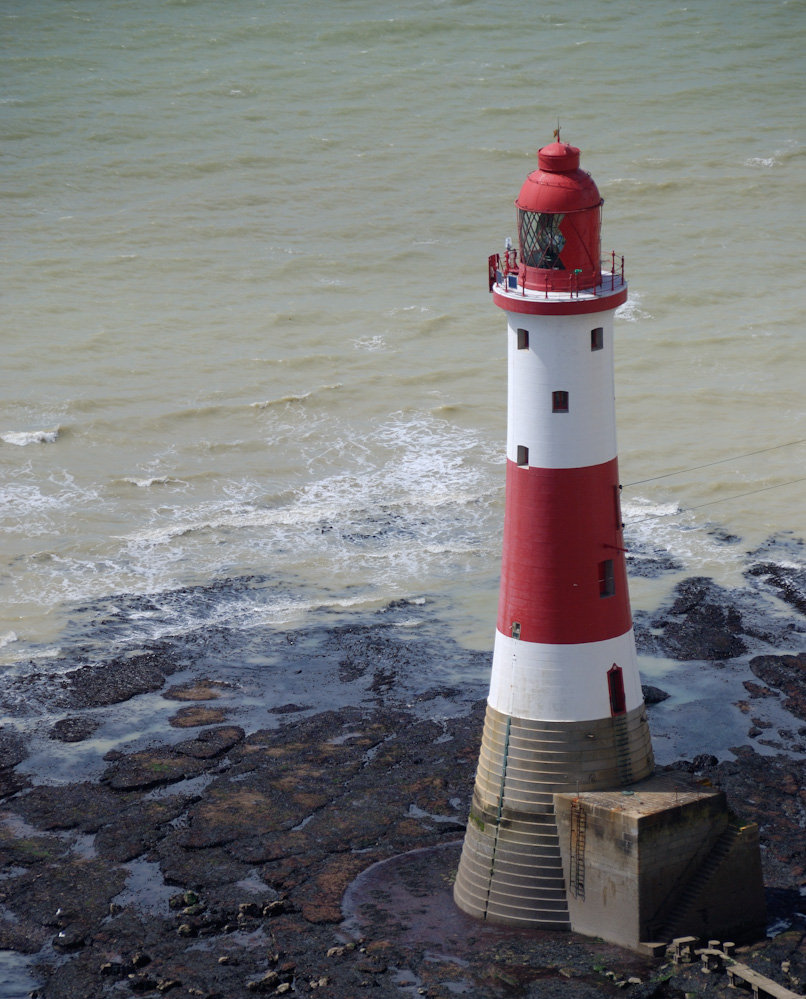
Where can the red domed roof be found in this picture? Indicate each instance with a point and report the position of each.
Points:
(559, 185)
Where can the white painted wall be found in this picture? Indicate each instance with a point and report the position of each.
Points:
(559, 357)
(561, 682)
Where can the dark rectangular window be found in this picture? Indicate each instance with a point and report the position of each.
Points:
(516, 629)
(523, 339)
(523, 455)
(559, 402)
(597, 338)
(607, 580)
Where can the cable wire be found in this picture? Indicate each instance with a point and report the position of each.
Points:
(719, 461)
(726, 499)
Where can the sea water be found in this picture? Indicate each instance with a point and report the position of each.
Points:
(245, 324)
(246, 328)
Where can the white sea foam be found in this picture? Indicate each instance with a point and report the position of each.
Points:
(23, 437)
(156, 480)
(31, 507)
(7, 639)
(370, 343)
(631, 312)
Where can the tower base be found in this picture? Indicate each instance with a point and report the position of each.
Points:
(511, 869)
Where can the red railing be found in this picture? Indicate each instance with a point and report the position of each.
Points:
(499, 269)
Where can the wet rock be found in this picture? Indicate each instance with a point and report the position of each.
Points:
(74, 729)
(755, 690)
(194, 716)
(13, 749)
(289, 709)
(211, 743)
(787, 582)
(653, 695)
(787, 674)
(268, 983)
(85, 806)
(702, 623)
(198, 690)
(11, 782)
(139, 826)
(102, 683)
(152, 768)
(697, 765)
(724, 537)
(70, 939)
(72, 885)
(373, 967)
(652, 566)
(300, 811)
(141, 983)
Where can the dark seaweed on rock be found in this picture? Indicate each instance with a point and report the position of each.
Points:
(702, 623)
(74, 729)
(787, 582)
(13, 750)
(653, 695)
(787, 674)
(99, 684)
(650, 567)
(707, 621)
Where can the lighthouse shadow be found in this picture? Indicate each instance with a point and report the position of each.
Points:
(408, 899)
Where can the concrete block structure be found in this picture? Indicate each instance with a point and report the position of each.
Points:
(658, 859)
(565, 717)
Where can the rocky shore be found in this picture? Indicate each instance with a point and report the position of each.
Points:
(290, 837)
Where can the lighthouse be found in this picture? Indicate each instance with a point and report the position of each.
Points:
(568, 826)
(565, 710)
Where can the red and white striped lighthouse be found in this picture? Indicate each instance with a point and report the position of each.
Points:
(565, 710)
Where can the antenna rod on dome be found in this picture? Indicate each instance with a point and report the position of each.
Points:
(557, 131)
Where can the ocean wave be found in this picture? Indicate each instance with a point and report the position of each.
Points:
(427, 495)
(27, 508)
(370, 343)
(7, 639)
(630, 312)
(266, 403)
(156, 480)
(23, 437)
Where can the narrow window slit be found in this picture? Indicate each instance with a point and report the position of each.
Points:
(523, 339)
(597, 338)
(607, 580)
(523, 455)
